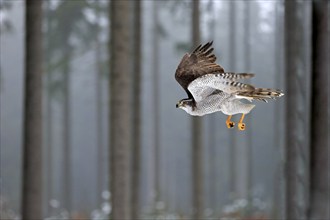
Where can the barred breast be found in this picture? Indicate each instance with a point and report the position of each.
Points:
(210, 104)
(232, 107)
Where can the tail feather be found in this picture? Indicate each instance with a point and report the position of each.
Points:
(261, 94)
(236, 76)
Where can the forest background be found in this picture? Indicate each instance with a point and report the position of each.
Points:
(89, 127)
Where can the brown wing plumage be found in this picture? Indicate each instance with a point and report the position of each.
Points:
(200, 62)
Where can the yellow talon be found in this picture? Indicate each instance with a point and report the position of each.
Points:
(241, 125)
(230, 124)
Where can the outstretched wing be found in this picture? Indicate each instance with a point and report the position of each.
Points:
(203, 86)
(208, 84)
(200, 62)
(200, 92)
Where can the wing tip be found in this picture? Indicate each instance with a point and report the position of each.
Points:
(204, 47)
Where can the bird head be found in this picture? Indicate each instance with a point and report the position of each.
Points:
(185, 104)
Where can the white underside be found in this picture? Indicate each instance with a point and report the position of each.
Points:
(226, 103)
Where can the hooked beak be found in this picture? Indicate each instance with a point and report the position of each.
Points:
(177, 105)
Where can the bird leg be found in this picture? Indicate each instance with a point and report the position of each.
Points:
(241, 125)
(230, 124)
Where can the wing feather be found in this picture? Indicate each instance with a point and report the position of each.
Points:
(198, 87)
(200, 62)
(236, 76)
(200, 92)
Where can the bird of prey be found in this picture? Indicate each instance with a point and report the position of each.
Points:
(211, 89)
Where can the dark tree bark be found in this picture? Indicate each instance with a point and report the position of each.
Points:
(32, 134)
(319, 165)
(296, 167)
(197, 138)
(120, 136)
(136, 139)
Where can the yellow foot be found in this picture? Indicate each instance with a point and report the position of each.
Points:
(241, 126)
(230, 124)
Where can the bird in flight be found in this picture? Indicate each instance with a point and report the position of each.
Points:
(210, 89)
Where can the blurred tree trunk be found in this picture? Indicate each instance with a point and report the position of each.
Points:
(99, 119)
(278, 115)
(319, 166)
(197, 138)
(120, 130)
(66, 56)
(49, 124)
(211, 124)
(155, 71)
(233, 133)
(32, 124)
(67, 175)
(248, 150)
(136, 151)
(99, 112)
(296, 107)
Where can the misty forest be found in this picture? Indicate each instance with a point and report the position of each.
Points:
(90, 129)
